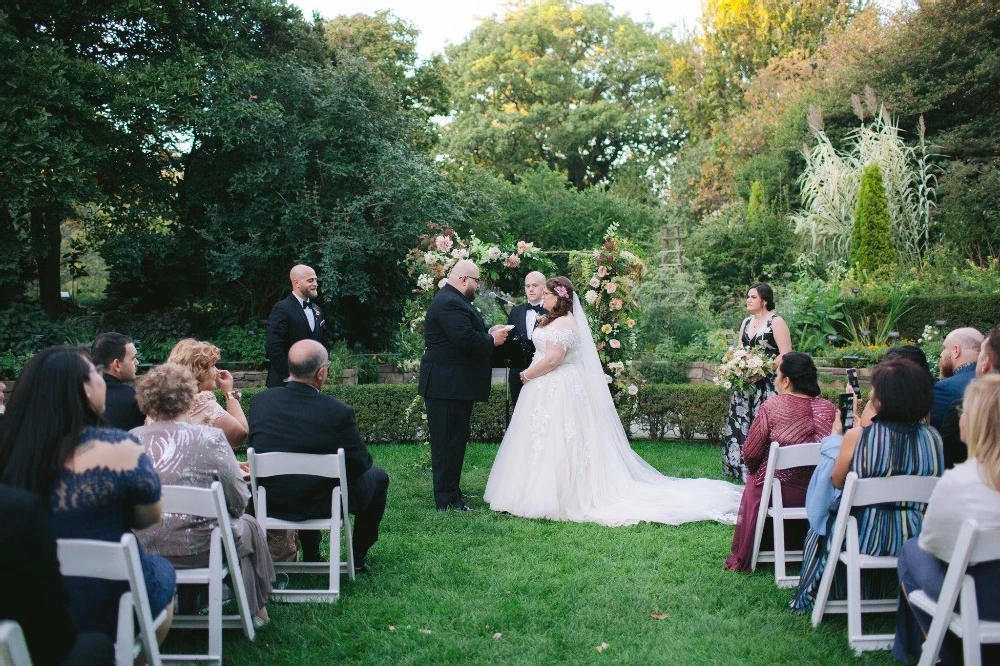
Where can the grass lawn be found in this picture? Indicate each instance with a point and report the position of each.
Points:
(488, 588)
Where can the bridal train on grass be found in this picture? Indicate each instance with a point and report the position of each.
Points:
(565, 455)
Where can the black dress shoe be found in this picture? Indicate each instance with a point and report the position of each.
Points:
(362, 567)
(460, 508)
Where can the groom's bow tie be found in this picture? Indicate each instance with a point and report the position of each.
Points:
(306, 304)
(537, 308)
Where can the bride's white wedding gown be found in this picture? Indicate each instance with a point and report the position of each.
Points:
(565, 455)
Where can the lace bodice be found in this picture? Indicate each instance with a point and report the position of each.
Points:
(96, 503)
(567, 338)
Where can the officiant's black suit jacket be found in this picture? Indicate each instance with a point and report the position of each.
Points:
(286, 326)
(297, 418)
(456, 361)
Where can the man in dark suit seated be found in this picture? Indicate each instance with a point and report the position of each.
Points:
(116, 356)
(33, 593)
(959, 354)
(295, 317)
(298, 418)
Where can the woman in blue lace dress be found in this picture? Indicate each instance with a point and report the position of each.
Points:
(98, 481)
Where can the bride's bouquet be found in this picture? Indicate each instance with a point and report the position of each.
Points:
(741, 368)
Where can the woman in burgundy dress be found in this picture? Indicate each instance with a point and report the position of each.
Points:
(795, 416)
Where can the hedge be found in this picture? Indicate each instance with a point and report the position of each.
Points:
(381, 411)
(980, 311)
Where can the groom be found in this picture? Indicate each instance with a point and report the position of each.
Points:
(524, 317)
(454, 374)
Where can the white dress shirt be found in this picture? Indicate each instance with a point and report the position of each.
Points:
(310, 315)
(530, 318)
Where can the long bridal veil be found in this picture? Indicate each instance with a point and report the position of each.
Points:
(646, 494)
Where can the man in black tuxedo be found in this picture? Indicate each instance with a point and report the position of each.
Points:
(117, 358)
(454, 374)
(524, 317)
(294, 318)
(298, 418)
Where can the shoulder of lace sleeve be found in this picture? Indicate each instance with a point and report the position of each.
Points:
(565, 336)
(144, 485)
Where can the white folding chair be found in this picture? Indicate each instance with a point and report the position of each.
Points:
(771, 504)
(109, 560)
(210, 503)
(13, 647)
(975, 545)
(857, 493)
(331, 466)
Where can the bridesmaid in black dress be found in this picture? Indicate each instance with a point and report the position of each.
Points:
(768, 333)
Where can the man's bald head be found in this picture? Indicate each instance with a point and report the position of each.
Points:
(961, 347)
(534, 286)
(305, 360)
(464, 276)
(304, 281)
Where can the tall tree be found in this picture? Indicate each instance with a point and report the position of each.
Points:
(565, 85)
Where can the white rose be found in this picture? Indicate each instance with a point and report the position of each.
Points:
(494, 253)
(595, 283)
(633, 389)
(590, 297)
(429, 258)
(442, 283)
(727, 385)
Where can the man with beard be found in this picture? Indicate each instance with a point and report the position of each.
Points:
(988, 362)
(958, 368)
(454, 374)
(294, 318)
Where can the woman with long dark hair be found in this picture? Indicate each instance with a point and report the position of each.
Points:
(97, 481)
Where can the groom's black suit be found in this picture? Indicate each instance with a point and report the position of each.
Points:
(454, 373)
(520, 348)
(286, 326)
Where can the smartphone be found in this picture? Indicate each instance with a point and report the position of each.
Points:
(846, 405)
(852, 379)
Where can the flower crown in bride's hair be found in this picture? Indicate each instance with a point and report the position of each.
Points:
(561, 291)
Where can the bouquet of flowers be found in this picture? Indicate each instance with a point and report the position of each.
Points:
(741, 368)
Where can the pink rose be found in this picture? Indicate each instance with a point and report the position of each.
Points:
(522, 247)
(602, 271)
(616, 304)
(513, 261)
(443, 243)
(614, 343)
(610, 287)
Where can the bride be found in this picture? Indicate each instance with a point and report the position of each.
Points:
(565, 455)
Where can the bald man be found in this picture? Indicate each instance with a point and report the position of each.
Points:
(958, 367)
(524, 317)
(294, 318)
(454, 374)
(299, 418)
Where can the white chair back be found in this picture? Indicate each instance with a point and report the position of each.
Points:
(330, 466)
(120, 561)
(13, 647)
(974, 544)
(210, 503)
(844, 536)
(780, 458)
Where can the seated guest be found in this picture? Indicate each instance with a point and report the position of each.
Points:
(988, 362)
(200, 358)
(910, 353)
(958, 368)
(192, 455)
(795, 416)
(34, 595)
(98, 481)
(970, 490)
(892, 441)
(115, 356)
(298, 418)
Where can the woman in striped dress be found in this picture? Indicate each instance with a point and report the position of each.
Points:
(895, 442)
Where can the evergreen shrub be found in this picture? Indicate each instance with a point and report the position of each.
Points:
(871, 240)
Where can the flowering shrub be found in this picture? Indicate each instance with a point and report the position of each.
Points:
(741, 367)
(501, 268)
(608, 278)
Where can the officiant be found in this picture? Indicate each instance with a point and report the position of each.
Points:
(524, 317)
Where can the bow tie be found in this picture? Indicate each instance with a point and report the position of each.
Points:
(537, 308)
(306, 304)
